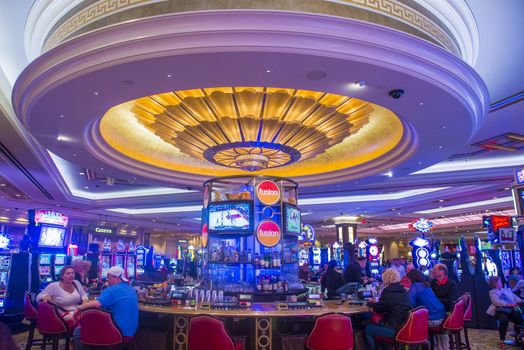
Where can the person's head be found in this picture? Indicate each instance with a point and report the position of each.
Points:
(326, 266)
(67, 274)
(305, 267)
(440, 271)
(390, 276)
(86, 265)
(7, 342)
(415, 275)
(77, 265)
(409, 267)
(332, 265)
(395, 262)
(116, 275)
(362, 261)
(495, 282)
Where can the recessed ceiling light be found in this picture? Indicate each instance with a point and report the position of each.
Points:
(61, 138)
(507, 188)
(86, 187)
(441, 200)
(3, 185)
(82, 173)
(168, 75)
(440, 147)
(17, 195)
(96, 93)
(268, 70)
(62, 116)
(421, 104)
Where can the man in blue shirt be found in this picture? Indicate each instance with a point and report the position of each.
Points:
(119, 298)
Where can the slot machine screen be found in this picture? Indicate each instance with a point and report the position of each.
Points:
(60, 259)
(52, 237)
(45, 259)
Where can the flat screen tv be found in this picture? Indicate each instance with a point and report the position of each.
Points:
(291, 219)
(230, 217)
(52, 237)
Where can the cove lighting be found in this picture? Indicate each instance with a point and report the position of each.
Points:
(64, 169)
(466, 205)
(486, 163)
(182, 209)
(369, 197)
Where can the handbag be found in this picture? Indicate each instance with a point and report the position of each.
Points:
(376, 317)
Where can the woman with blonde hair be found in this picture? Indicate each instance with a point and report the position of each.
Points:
(394, 304)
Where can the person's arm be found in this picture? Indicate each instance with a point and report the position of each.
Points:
(412, 293)
(47, 293)
(88, 304)
(517, 287)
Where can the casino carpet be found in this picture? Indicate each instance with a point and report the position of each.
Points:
(480, 339)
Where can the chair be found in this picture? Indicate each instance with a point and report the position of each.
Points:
(331, 332)
(209, 332)
(468, 316)
(98, 329)
(414, 331)
(453, 324)
(31, 315)
(52, 326)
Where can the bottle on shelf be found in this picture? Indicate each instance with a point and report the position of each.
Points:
(249, 255)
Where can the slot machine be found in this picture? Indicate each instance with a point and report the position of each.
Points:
(373, 256)
(44, 269)
(141, 253)
(59, 262)
(119, 258)
(420, 253)
(106, 259)
(302, 256)
(506, 262)
(315, 259)
(131, 262)
(14, 282)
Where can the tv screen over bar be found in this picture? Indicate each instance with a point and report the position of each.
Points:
(292, 219)
(230, 217)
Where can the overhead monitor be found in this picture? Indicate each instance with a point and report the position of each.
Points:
(230, 217)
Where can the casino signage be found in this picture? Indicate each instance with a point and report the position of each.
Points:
(204, 236)
(51, 217)
(268, 233)
(103, 230)
(268, 192)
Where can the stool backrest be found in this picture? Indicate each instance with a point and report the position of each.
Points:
(468, 302)
(455, 320)
(49, 321)
(415, 329)
(99, 329)
(207, 332)
(30, 312)
(331, 332)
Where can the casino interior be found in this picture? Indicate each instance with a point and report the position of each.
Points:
(231, 161)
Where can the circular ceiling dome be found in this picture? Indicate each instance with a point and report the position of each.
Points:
(251, 129)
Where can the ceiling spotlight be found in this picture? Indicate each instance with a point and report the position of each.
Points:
(360, 83)
(169, 75)
(96, 93)
(62, 116)
(62, 138)
(82, 173)
(268, 70)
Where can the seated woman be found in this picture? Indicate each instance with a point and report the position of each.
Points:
(394, 304)
(67, 293)
(506, 307)
(332, 280)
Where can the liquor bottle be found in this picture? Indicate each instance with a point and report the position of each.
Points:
(275, 284)
(257, 261)
(259, 284)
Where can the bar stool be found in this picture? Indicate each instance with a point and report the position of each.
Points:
(52, 326)
(209, 332)
(414, 331)
(453, 324)
(98, 329)
(31, 315)
(468, 316)
(331, 332)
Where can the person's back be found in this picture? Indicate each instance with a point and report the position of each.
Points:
(6, 339)
(121, 299)
(422, 295)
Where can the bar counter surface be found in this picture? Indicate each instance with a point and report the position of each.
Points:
(261, 319)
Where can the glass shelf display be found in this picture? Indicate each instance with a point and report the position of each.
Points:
(250, 235)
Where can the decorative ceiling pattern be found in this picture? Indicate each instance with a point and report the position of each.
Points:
(252, 128)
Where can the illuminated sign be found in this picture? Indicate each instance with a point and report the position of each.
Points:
(307, 235)
(373, 250)
(419, 242)
(5, 242)
(48, 216)
(519, 176)
(204, 235)
(206, 196)
(498, 221)
(268, 233)
(268, 192)
(103, 229)
(421, 225)
(507, 235)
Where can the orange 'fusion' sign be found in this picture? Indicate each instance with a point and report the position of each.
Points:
(268, 192)
(204, 235)
(268, 233)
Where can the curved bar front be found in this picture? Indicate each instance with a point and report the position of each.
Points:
(260, 327)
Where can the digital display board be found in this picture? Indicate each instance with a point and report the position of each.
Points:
(230, 217)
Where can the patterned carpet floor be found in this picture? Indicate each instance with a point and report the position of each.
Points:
(481, 339)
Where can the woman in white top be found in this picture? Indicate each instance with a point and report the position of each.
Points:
(506, 307)
(66, 293)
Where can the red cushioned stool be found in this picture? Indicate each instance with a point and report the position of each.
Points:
(468, 316)
(453, 324)
(98, 330)
(52, 326)
(209, 332)
(414, 331)
(331, 332)
(31, 316)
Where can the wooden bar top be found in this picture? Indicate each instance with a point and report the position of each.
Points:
(259, 310)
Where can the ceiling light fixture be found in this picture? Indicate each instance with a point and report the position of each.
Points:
(466, 205)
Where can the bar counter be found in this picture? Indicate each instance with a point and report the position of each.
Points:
(262, 327)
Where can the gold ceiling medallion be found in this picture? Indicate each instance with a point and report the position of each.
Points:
(251, 128)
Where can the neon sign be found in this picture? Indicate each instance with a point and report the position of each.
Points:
(307, 236)
(48, 216)
(422, 225)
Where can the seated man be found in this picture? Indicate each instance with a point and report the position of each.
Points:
(119, 298)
